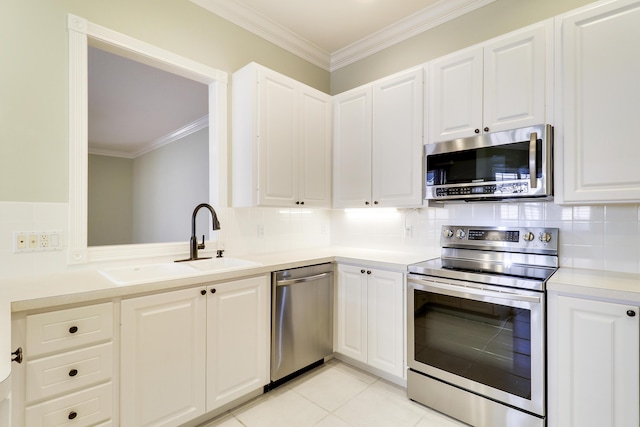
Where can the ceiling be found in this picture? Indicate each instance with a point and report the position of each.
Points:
(134, 108)
(334, 33)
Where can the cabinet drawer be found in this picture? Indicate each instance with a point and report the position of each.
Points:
(84, 408)
(59, 330)
(62, 373)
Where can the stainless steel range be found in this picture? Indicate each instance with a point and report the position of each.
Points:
(477, 325)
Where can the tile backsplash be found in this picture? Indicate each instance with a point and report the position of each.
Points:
(596, 237)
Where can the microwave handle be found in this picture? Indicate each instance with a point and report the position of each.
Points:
(533, 167)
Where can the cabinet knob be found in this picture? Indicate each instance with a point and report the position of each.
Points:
(302, 203)
(72, 415)
(213, 290)
(297, 203)
(16, 356)
(367, 203)
(362, 271)
(631, 313)
(73, 372)
(477, 131)
(203, 292)
(375, 203)
(73, 329)
(486, 129)
(368, 271)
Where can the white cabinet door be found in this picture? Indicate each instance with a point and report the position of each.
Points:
(599, 98)
(281, 152)
(238, 331)
(455, 87)
(315, 149)
(499, 85)
(162, 358)
(351, 312)
(277, 139)
(593, 362)
(515, 76)
(385, 322)
(397, 140)
(370, 323)
(352, 148)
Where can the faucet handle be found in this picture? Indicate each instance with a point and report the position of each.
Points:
(219, 253)
(201, 245)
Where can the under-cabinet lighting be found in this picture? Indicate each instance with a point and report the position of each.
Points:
(294, 211)
(372, 213)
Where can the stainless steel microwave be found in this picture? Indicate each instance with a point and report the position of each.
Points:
(514, 164)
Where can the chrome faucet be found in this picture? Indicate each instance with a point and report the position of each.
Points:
(193, 243)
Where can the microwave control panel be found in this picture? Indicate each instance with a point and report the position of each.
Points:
(471, 190)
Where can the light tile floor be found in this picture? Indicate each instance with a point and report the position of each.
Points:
(334, 395)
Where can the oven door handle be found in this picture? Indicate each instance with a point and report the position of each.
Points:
(471, 293)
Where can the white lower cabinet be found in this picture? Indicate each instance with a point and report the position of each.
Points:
(66, 377)
(593, 363)
(187, 352)
(370, 323)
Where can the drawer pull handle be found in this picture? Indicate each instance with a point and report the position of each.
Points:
(73, 372)
(16, 356)
(73, 329)
(72, 415)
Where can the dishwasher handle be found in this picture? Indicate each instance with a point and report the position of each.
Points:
(303, 279)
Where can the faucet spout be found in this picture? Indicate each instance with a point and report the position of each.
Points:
(193, 242)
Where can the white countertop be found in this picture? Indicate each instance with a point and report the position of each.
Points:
(49, 291)
(605, 285)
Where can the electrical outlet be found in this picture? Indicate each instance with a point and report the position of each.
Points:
(260, 230)
(32, 241)
(43, 240)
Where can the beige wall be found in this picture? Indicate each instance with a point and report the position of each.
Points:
(34, 75)
(109, 200)
(495, 19)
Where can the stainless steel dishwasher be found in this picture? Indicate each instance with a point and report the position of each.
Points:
(301, 320)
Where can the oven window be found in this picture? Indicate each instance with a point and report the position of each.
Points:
(484, 342)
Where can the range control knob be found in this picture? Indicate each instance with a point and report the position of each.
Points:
(545, 237)
(460, 234)
(528, 236)
(447, 233)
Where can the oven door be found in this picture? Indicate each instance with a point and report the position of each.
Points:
(485, 339)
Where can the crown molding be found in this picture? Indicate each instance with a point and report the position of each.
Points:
(259, 24)
(404, 29)
(263, 26)
(184, 131)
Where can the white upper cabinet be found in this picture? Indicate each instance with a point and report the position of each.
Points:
(499, 85)
(352, 148)
(281, 141)
(598, 98)
(378, 143)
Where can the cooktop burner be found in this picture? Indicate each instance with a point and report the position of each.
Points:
(520, 257)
